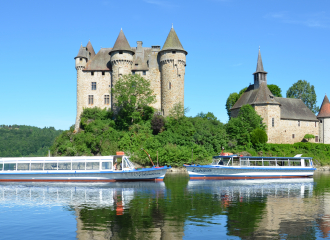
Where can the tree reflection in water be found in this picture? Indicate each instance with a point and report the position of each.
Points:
(276, 209)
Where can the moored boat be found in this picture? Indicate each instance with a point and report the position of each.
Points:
(246, 167)
(76, 169)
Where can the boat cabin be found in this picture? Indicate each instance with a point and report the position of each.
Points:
(246, 161)
(99, 163)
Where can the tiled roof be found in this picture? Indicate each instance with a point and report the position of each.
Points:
(292, 108)
(172, 42)
(325, 108)
(253, 96)
(101, 61)
(90, 49)
(121, 43)
(82, 53)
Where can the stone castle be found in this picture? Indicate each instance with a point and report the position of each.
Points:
(288, 120)
(98, 73)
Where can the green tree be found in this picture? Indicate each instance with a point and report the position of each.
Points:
(275, 90)
(309, 136)
(231, 100)
(240, 128)
(133, 95)
(178, 111)
(258, 136)
(306, 92)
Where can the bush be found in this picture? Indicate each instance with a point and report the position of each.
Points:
(258, 136)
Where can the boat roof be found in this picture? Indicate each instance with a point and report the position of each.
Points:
(254, 157)
(62, 159)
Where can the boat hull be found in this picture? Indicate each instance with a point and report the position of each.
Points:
(152, 174)
(224, 172)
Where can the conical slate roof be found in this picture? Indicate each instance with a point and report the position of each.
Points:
(260, 67)
(325, 108)
(172, 42)
(90, 49)
(121, 43)
(82, 53)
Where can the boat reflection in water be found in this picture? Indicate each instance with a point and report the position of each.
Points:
(181, 209)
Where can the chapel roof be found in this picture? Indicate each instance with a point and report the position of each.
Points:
(261, 95)
(172, 42)
(121, 43)
(325, 108)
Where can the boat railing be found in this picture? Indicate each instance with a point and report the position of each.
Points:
(65, 164)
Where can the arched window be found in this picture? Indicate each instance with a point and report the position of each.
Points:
(169, 85)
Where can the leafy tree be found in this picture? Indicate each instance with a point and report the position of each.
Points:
(157, 123)
(178, 111)
(306, 92)
(275, 90)
(231, 100)
(132, 94)
(240, 128)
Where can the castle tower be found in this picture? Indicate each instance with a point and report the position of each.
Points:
(121, 58)
(324, 121)
(260, 75)
(81, 60)
(172, 68)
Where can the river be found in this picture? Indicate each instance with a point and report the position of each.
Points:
(174, 209)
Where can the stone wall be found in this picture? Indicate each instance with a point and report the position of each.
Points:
(172, 67)
(324, 130)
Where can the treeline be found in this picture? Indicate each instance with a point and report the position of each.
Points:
(23, 141)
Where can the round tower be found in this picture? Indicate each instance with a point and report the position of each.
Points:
(324, 121)
(81, 60)
(121, 58)
(172, 68)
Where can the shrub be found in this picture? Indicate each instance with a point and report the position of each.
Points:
(258, 136)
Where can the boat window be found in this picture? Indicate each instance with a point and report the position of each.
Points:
(307, 164)
(78, 166)
(92, 166)
(106, 165)
(64, 166)
(10, 167)
(215, 161)
(269, 163)
(50, 166)
(23, 166)
(37, 166)
(282, 163)
(295, 163)
(1, 165)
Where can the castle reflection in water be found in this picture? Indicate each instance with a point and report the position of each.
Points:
(151, 210)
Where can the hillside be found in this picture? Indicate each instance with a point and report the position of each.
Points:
(23, 141)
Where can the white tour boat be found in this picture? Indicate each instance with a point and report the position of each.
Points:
(245, 167)
(76, 169)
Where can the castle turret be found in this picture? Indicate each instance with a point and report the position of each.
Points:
(121, 59)
(324, 121)
(260, 75)
(172, 67)
(81, 60)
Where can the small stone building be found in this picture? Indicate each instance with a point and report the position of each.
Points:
(288, 120)
(324, 118)
(98, 72)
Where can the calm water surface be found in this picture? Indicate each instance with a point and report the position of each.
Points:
(174, 209)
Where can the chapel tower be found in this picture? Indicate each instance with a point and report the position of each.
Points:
(121, 58)
(260, 76)
(172, 68)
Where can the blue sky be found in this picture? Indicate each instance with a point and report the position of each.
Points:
(40, 39)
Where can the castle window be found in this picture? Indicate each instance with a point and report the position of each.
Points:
(144, 72)
(120, 52)
(174, 52)
(93, 85)
(92, 73)
(90, 99)
(273, 122)
(169, 85)
(292, 135)
(315, 124)
(136, 64)
(103, 73)
(298, 123)
(106, 99)
(80, 59)
(316, 138)
(133, 72)
(320, 121)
